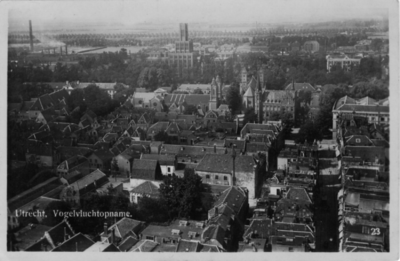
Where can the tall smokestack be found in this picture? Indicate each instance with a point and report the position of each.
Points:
(31, 35)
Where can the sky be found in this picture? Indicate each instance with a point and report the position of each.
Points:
(45, 13)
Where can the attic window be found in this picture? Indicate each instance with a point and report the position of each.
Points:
(176, 232)
(199, 225)
(183, 223)
(358, 140)
(192, 234)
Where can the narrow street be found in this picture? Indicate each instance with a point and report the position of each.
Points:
(326, 222)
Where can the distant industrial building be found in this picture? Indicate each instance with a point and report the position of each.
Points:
(184, 55)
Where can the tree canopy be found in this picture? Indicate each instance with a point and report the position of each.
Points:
(182, 195)
(233, 98)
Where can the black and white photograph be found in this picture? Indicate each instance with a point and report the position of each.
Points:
(169, 128)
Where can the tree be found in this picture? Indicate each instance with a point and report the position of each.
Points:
(233, 98)
(198, 91)
(182, 195)
(114, 167)
(249, 116)
(103, 203)
(377, 90)
(329, 95)
(308, 132)
(153, 210)
(190, 109)
(161, 136)
(52, 218)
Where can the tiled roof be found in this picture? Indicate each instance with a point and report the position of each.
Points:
(110, 137)
(127, 244)
(192, 151)
(259, 228)
(39, 148)
(73, 176)
(102, 247)
(363, 108)
(146, 188)
(158, 126)
(77, 243)
(233, 197)
(56, 233)
(367, 153)
(253, 147)
(214, 232)
(187, 246)
(126, 226)
(145, 164)
(29, 235)
(91, 181)
(298, 194)
(358, 140)
(162, 159)
(193, 99)
(222, 163)
(104, 155)
(144, 246)
(240, 144)
(300, 86)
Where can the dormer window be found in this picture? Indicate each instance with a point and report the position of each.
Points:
(192, 234)
(199, 225)
(183, 223)
(175, 232)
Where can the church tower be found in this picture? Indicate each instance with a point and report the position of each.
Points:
(243, 74)
(259, 101)
(219, 88)
(213, 96)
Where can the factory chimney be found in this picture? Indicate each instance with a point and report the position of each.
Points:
(31, 35)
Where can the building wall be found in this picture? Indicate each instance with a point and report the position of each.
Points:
(282, 163)
(215, 178)
(164, 169)
(136, 182)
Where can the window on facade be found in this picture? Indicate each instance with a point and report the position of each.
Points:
(95, 160)
(382, 119)
(169, 169)
(207, 176)
(225, 178)
(216, 176)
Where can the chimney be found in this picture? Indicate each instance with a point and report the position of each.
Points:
(31, 35)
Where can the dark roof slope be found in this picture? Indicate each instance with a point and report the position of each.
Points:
(223, 163)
